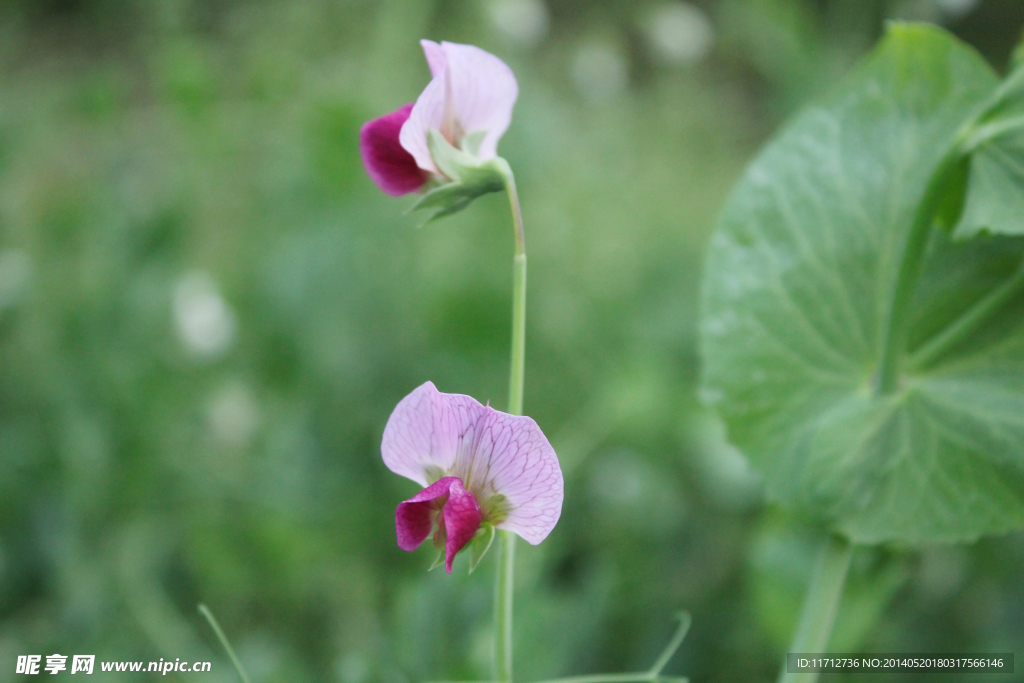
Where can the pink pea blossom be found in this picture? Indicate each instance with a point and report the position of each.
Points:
(477, 465)
(469, 101)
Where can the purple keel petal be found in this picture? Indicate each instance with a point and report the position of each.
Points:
(462, 517)
(386, 161)
(415, 517)
(425, 430)
(513, 458)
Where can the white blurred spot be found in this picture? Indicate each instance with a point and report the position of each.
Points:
(679, 33)
(352, 668)
(600, 72)
(233, 415)
(205, 321)
(15, 271)
(522, 21)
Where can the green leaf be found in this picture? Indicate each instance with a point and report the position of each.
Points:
(480, 544)
(995, 188)
(797, 289)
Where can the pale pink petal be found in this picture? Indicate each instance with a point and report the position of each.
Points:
(386, 161)
(461, 520)
(475, 89)
(414, 518)
(427, 113)
(426, 431)
(483, 91)
(513, 458)
(436, 59)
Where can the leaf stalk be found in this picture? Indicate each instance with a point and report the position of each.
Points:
(817, 618)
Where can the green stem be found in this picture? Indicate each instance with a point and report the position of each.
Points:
(814, 631)
(972, 134)
(898, 320)
(205, 611)
(991, 131)
(518, 365)
(969, 322)
(506, 560)
(503, 608)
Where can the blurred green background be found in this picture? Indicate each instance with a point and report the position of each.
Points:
(208, 311)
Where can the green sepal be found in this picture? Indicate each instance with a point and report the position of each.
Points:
(470, 177)
(438, 561)
(481, 543)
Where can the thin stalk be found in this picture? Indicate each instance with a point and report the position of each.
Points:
(897, 327)
(814, 630)
(993, 130)
(969, 322)
(505, 585)
(205, 611)
(652, 674)
(503, 608)
(518, 364)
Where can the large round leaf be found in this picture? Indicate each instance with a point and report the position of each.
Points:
(798, 286)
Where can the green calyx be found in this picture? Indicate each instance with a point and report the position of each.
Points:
(480, 544)
(468, 176)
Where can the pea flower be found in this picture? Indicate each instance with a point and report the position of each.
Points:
(448, 137)
(481, 469)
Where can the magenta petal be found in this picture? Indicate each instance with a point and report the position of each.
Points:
(414, 518)
(462, 517)
(386, 161)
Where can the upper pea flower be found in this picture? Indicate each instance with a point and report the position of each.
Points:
(481, 469)
(449, 137)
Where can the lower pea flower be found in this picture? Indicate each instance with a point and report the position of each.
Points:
(481, 469)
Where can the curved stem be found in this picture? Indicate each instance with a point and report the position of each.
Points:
(898, 320)
(208, 615)
(814, 631)
(652, 674)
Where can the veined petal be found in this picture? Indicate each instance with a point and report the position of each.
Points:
(515, 460)
(483, 91)
(414, 518)
(490, 452)
(423, 434)
(471, 90)
(387, 162)
(462, 517)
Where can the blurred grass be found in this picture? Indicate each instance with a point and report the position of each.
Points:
(207, 313)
